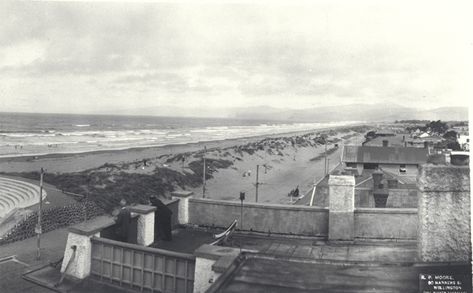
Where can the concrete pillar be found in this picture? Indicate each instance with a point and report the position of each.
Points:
(210, 263)
(145, 225)
(79, 237)
(341, 208)
(183, 213)
(444, 233)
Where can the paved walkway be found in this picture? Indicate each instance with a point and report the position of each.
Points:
(24, 252)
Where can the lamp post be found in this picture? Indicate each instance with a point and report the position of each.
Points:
(242, 198)
(257, 183)
(204, 171)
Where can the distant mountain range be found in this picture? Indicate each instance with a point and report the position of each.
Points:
(353, 112)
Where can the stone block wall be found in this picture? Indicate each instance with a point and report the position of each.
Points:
(444, 213)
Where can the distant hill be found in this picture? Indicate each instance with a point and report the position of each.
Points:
(353, 112)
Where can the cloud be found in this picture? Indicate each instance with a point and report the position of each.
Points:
(234, 54)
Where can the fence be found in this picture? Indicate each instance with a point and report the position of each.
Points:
(142, 268)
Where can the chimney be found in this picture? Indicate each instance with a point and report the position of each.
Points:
(377, 178)
(385, 143)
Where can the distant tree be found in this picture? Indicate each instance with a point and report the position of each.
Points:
(437, 126)
(450, 135)
(454, 145)
(461, 123)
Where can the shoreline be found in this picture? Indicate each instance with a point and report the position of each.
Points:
(286, 161)
(35, 157)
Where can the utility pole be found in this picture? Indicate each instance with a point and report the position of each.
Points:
(257, 183)
(325, 153)
(38, 226)
(86, 198)
(203, 174)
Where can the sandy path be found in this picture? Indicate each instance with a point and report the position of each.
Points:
(284, 174)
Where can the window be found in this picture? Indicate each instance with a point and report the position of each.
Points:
(370, 166)
(402, 168)
(351, 165)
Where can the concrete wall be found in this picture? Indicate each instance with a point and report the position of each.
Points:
(369, 223)
(386, 223)
(284, 219)
(444, 213)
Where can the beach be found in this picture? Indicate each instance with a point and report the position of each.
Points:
(286, 161)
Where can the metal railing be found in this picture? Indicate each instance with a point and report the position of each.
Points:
(141, 268)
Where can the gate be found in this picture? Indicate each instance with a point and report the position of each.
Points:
(142, 268)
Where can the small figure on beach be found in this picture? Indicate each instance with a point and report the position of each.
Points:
(162, 220)
(123, 222)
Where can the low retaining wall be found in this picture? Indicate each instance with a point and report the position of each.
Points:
(273, 218)
(399, 224)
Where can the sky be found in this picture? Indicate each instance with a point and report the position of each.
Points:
(95, 57)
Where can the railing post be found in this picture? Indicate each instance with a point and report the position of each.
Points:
(145, 229)
(79, 236)
(183, 210)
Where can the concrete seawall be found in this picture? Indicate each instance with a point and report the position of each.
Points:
(283, 219)
(369, 223)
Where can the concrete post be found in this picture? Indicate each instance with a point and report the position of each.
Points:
(79, 236)
(183, 213)
(145, 225)
(210, 262)
(444, 233)
(341, 208)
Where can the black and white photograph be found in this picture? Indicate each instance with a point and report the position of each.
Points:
(235, 146)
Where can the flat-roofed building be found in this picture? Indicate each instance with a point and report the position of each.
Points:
(397, 160)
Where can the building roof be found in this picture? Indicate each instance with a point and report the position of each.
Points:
(384, 155)
(385, 132)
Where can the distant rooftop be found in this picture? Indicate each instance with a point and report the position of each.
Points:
(384, 155)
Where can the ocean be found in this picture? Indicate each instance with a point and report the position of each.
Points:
(38, 134)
